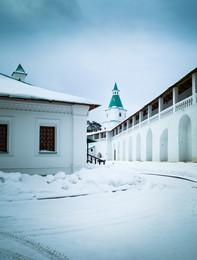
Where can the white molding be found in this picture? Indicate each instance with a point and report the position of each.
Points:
(37, 107)
(80, 110)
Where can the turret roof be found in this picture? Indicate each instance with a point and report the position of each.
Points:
(115, 100)
(20, 68)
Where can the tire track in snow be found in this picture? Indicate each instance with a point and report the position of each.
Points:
(36, 246)
(169, 176)
(10, 255)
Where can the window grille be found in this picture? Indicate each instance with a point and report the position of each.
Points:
(3, 137)
(47, 138)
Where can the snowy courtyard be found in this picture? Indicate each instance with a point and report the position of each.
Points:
(123, 210)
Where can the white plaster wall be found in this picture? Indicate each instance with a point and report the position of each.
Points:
(101, 147)
(23, 138)
(170, 123)
(79, 132)
(113, 117)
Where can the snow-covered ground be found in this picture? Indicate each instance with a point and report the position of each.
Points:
(123, 213)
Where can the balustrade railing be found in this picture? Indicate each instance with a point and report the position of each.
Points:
(153, 118)
(183, 104)
(166, 112)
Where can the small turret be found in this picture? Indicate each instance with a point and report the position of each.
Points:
(115, 113)
(19, 73)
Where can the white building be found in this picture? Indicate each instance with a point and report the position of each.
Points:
(163, 130)
(41, 131)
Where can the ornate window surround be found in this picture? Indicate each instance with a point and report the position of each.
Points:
(50, 123)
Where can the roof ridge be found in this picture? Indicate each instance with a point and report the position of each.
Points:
(10, 77)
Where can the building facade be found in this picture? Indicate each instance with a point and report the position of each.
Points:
(41, 131)
(163, 130)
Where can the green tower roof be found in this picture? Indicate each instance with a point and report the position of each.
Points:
(115, 100)
(20, 68)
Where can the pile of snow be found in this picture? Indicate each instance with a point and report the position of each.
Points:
(112, 177)
(17, 186)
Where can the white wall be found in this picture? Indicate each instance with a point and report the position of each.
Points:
(157, 139)
(168, 134)
(24, 121)
(114, 116)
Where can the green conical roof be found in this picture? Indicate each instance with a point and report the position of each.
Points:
(115, 87)
(115, 100)
(20, 68)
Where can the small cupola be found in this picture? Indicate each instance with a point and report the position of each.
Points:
(19, 73)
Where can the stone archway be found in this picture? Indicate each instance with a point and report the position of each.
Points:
(123, 150)
(114, 153)
(185, 141)
(138, 148)
(149, 141)
(99, 155)
(130, 149)
(118, 152)
(164, 146)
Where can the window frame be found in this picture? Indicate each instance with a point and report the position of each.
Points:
(47, 123)
(6, 137)
(9, 122)
(53, 141)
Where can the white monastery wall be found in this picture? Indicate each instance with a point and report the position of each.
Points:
(24, 120)
(159, 140)
(161, 131)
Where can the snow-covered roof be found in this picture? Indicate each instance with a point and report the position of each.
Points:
(12, 88)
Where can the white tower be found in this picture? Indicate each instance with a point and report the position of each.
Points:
(19, 73)
(115, 113)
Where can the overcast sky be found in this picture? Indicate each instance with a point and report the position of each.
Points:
(81, 47)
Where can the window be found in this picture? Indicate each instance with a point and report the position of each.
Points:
(3, 138)
(120, 115)
(47, 138)
(96, 136)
